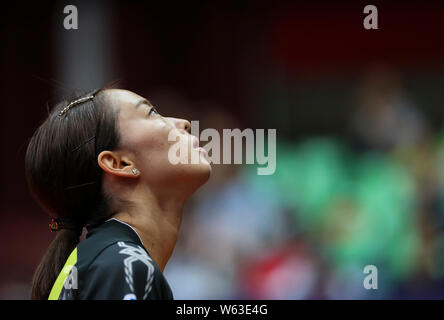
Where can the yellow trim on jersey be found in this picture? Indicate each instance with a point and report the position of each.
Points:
(58, 285)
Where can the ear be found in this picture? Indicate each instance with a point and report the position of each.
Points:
(114, 164)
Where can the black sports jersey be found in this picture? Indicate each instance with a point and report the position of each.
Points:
(111, 263)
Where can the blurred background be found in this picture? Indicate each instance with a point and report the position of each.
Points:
(360, 137)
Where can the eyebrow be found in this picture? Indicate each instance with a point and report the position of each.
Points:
(143, 101)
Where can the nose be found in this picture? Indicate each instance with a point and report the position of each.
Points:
(182, 124)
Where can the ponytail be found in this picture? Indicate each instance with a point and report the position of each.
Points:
(52, 263)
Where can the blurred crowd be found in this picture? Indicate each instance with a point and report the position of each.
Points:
(333, 206)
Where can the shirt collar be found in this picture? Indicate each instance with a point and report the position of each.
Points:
(116, 228)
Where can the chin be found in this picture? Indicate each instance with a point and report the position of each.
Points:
(194, 176)
(202, 169)
(202, 172)
(194, 173)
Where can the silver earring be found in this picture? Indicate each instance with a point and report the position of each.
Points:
(135, 171)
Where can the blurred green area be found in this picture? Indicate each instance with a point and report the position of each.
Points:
(359, 207)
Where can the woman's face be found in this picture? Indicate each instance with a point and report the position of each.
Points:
(144, 141)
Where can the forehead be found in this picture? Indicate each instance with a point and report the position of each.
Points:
(121, 97)
(124, 102)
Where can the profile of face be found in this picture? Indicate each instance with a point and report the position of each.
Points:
(145, 145)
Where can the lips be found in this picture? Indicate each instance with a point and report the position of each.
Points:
(195, 142)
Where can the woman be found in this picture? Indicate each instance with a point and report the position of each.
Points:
(101, 161)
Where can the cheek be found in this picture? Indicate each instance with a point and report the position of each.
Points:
(152, 146)
(141, 136)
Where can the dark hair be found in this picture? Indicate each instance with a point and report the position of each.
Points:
(64, 176)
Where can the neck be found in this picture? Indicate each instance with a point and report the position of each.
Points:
(157, 223)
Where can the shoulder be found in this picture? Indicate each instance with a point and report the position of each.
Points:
(124, 253)
(123, 270)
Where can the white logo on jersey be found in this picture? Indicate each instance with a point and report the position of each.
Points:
(136, 253)
(130, 296)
